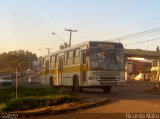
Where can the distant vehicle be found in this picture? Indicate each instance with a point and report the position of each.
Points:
(19, 74)
(32, 79)
(29, 71)
(6, 80)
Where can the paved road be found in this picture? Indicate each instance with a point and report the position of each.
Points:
(124, 100)
(127, 102)
(23, 81)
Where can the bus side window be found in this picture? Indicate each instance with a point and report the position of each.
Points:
(57, 60)
(84, 56)
(76, 56)
(43, 64)
(70, 57)
(65, 59)
(53, 61)
(47, 65)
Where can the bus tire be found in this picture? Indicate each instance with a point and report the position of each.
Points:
(107, 89)
(76, 87)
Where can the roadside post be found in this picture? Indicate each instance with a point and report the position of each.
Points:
(14, 63)
(16, 84)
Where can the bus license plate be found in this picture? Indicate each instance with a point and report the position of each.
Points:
(107, 83)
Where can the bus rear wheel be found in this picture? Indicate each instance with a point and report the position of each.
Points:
(107, 89)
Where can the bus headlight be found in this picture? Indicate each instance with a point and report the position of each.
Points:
(118, 78)
(93, 78)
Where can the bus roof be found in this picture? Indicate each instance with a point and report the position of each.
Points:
(80, 45)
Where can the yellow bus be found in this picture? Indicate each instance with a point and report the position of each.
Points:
(91, 64)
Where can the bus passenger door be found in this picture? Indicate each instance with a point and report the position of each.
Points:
(84, 67)
(60, 70)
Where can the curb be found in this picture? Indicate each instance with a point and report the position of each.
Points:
(51, 110)
(151, 93)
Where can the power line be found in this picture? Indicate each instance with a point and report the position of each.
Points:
(152, 20)
(137, 34)
(142, 41)
(152, 23)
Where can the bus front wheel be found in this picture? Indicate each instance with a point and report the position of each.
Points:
(107, 89)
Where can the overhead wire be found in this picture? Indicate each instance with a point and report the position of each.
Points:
(137, 34)
(148, 33)
(152, 24)
(143, 41)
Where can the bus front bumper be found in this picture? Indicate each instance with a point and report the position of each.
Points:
(121, 83)
(113, 83)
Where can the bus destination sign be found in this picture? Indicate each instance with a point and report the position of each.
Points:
(100, 45)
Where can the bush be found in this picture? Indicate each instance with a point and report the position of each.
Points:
(34, 102)
(29, 98)
(6, 94)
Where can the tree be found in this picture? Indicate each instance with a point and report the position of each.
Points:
(65, 45)
(20, 59)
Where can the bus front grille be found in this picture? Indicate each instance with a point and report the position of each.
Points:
(109, 73)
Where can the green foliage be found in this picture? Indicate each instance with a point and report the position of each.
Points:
(34, 102)
(34, 97)
(6, 94)
(12, 59)
(65, 45)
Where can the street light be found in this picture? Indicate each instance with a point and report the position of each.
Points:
(48, 50)
(53, 33)
(65, 44)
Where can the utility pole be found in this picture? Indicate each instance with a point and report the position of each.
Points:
(48, 49)
(70, 30)
(119, 40)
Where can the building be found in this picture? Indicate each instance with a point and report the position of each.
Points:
(135, 67)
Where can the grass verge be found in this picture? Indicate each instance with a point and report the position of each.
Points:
(29, 98)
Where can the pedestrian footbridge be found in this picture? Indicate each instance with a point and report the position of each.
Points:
(142, 53)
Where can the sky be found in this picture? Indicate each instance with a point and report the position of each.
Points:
(28, 24)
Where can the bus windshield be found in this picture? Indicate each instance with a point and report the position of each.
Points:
(106, 59)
